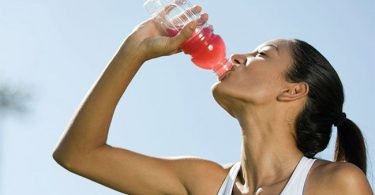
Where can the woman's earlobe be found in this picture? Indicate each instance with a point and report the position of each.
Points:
(294, 91)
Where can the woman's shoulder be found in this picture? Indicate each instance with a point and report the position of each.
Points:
(199, 175)
(328, 177)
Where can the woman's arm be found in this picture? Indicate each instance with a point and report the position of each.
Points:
(83, 148)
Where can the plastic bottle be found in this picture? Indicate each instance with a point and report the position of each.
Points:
(206, 48)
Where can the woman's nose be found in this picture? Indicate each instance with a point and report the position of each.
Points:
(238, 59)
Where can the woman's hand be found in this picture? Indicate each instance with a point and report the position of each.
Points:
(149, 39)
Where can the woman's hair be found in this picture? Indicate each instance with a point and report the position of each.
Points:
(323, 108)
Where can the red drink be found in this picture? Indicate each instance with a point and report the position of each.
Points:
(207, 50)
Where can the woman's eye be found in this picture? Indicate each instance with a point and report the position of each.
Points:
(261, 53)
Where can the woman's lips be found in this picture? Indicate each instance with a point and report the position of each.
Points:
(233, 68)
(225, 75)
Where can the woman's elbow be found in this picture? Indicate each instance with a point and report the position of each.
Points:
(66, 158)
(61, 158)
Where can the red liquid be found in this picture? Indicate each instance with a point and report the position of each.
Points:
(207, 50)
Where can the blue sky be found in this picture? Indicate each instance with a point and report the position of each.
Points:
(56, 49)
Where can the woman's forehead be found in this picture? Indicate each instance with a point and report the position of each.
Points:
(280, 44)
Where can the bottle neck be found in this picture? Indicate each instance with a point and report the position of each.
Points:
(221, 68)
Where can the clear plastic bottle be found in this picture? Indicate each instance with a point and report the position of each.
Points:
(206, 48)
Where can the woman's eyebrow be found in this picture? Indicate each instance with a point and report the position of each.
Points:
(272, 45)
(275, 46)
(269, 45)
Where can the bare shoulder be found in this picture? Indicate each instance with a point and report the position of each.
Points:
(327, 177)
(201, 176)
(199, 164)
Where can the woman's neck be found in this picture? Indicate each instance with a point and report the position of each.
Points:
(269, 153)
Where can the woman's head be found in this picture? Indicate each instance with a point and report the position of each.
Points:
(281, 68)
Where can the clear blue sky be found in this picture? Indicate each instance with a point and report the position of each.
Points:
(56, 50)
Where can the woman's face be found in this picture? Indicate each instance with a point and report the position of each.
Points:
(257, 77)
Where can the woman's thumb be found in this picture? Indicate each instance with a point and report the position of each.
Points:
(184, 34)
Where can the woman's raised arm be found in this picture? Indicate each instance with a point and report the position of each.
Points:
(83, 149)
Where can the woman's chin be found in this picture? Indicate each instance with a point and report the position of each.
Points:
(222, 97)
(217, 90)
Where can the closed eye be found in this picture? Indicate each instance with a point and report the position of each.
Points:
(260, 53)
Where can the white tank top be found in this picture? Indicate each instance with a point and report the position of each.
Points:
(293, 187)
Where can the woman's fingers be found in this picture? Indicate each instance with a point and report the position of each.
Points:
(202, 19)
(183, 35)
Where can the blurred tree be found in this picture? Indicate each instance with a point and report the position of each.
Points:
(12, 100)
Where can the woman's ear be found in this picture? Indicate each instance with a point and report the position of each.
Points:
(293, 91)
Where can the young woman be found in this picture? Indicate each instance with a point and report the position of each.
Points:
(286, 97)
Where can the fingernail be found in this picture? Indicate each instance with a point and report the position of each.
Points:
(192, 25)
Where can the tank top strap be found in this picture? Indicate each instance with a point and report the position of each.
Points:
(227, 186)
(296, 182)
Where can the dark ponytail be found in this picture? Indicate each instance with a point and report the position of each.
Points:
(350, 145)
(323, 108)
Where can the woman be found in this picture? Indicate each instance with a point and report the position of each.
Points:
(285, 96)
